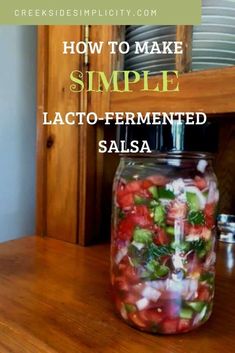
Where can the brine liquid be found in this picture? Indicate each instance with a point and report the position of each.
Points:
(163, 257)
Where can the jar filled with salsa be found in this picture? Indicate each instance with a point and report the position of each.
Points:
(163, 240)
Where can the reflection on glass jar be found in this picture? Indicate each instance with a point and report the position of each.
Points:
(163, 239)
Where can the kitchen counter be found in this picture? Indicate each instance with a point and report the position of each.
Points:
(55, 297)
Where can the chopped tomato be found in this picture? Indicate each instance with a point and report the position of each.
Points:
(121, 283)
(118, 303)
(125, 201)
(120, 189)
(200, 183)
(151, 315)
(184, 325)
(138, 288)
(146, 184)
(158, 180)
(122, 267)
(143, 193)
(195, 230)
(203, 293)
(199, 231)
(176, 210)
(136, 320)
(209, 214)
(161, 237)
(131, 275)
(126, 228)
(126, 193)
(131, 298)
(193, 266)
(206, 233)
(187, 227)
(170, 326)
(141, 216)
(133, 186)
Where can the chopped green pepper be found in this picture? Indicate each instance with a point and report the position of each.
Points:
(196, 306)
(186, 313)
(121, 214)
(130, 308)
(145, 275)
(142, 235)
(153, 191)
(165, 194)
(158, 251)
(207, 277)
(196, 218)
(162, 271)
(183, 245)
(137, 256)
(159, 214)
(155, 270)
(193, 201)
(170, 230)
(139, 200)
(201, 247)
(153, 204)
(152, 265)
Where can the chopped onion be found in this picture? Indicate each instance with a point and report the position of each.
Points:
(193, 285)
(142, 303)
(192, 237)
(160, 285)
(200, 316)
(151, 293)
(121, 253)
(165, 202)
(175, 286)
(124, 313)
(177, 186)
(210, 261)
(213, 194)
(182, 197)
(201, 166)
(201, 197)
(206, 233)
(139, 246)
(178, 261)
(192, 289)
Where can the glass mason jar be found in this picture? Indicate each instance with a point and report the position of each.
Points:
(163, 241)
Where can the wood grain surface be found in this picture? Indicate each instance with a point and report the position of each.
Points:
(55, 298)
(210, 91)
(41, 137)
(184, 61)
(62, 140)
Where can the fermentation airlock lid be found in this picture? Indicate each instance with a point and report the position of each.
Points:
(172, 137)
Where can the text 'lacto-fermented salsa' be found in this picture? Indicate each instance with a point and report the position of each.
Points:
(163, 242)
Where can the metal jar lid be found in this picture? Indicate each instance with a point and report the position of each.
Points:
(176, 137)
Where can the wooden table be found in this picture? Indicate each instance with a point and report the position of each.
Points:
(55, 297)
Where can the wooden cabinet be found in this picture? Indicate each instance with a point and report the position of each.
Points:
(74, 180)
(57, 146)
